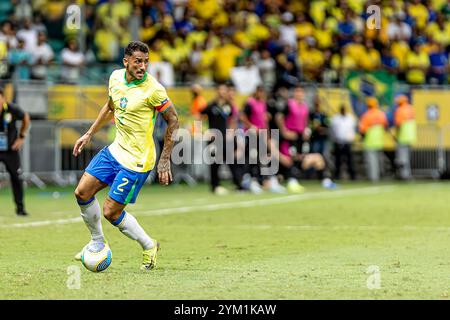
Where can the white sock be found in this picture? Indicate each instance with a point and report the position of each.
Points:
(91, 214)
(129, 226)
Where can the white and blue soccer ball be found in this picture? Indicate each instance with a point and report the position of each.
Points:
(96, 256)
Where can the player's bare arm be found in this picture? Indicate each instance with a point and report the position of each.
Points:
(285, 132)
(164, 174)
(105, 115)
(18, 143)
(245, 120)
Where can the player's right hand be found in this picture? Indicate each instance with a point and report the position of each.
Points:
(79, 145)
(290, 135)
(164, 172)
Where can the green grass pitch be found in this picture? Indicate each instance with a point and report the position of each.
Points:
(319, 245)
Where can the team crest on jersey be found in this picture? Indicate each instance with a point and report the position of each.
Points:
(123, 102)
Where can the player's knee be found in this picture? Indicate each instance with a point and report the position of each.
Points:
(111, 214)
(82, 195)
(107, 214)
(320, 165)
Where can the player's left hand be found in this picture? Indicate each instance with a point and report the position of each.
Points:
(164, 173)
(17, 145)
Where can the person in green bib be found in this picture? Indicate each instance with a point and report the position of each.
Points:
(405, 123)
(372, 127)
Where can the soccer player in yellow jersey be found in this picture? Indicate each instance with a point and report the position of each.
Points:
(135, 99)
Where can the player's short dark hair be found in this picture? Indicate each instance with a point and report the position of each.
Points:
(231, 86)
(260, 87)
(135, 46)
(1, 91)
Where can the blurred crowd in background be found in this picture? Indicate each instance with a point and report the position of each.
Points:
(280, 42)
(263, 49)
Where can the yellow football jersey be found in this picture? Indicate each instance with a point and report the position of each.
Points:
(135, 109)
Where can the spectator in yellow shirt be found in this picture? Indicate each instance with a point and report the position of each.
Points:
(392, 7)
(155, 49)
(343, 62)
(371, 59)
(199, 35)
(124, 33)
(114, 9)
(3, 52)
(212, 41)
(205, 9)
(240, 35)
(256, 31)
(419, 12)
(356, 48)
(317, 11)
(337, 13)
(225, 60)
(107, 44)
(417, 63)
(312, 60)
(324, 36)
(303, 27)
(356, 5)
(439, 30)
(220, 19)
(400, 50)
(430, 46)
(148, 29)
(175, 52)
(205, 65)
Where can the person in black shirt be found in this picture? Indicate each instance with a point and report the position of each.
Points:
(222, 115)
(319, 123)
(276, 104)
(11, 142)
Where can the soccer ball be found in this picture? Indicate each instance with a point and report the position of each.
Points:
(96, 256)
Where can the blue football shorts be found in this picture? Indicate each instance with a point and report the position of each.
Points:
(125, 183)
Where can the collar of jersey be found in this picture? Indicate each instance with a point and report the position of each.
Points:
(134, 82)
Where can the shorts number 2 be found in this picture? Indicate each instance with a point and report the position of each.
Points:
(120, 186)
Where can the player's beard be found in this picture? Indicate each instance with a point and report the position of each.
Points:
(139, 76)
(135, 74)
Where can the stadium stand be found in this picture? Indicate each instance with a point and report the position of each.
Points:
(203, 40)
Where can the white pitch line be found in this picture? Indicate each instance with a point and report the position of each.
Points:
(42, 223)
(343, 227)
(262, 202)
(221, 206)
